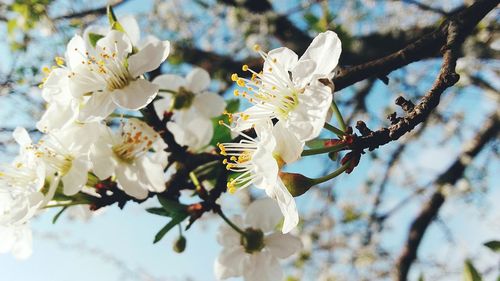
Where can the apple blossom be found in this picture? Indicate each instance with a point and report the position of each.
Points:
(109, 75)
(255, 255)
(258, 160)
(193, 107)
(288, 87)
(135, 156)
(17, 240)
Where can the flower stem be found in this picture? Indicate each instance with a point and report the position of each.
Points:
(117, 115)
(230, 223)
(334, 174)
(334, 129)
(326, 149)
(167, 91)
(336, 111)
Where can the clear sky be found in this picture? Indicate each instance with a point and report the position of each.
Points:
(117, 244)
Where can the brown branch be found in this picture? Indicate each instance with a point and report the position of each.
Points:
(449, 177)
(455, 30)
(427, 46)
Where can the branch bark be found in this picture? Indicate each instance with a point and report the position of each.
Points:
(449, 177)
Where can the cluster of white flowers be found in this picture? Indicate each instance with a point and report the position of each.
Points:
(288, 92)
(103, 76)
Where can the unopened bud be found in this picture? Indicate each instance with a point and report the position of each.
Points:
(180, 244)
(297, 184)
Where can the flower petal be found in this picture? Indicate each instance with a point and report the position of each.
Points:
(163, 105)
(99, 106)
(126, 176)
(136, 95)
(131, 27)
(209, 104)
(169, 82)
(303, 72)
(152, 174)
(325, 50)
(101, 155)
(263, 214)
(282, 245)
(282, 58)
(286, 204)
(288, 147)
(229, 263)
(262, 267)
(197, 80)
(75, 51)
(76, 177)
(115, 42)
(148, 58)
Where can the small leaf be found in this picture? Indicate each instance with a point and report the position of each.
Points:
(316, 143)
(113, 21)
(158, 211)
(470, 272)
(233, 105)
(176, 219)
(494, 245)
(94, 37)
(171, 206)
(56, 217)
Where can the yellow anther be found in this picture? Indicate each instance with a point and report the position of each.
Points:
(46, 70)
(229, 166)
(59, 61)
(256, 47)
(244, 67)
(240, 82)
(245, 117)
(233, 158)
(224, 161)
(236, 93)
(221, 122)
(234, 77)
(270, 69)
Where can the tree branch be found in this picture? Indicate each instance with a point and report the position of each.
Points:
(449, 177)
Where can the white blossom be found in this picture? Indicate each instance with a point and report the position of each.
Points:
(288, 87)
(255, 258)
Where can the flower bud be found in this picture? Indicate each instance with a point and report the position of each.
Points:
(297, 184)
(180, 244)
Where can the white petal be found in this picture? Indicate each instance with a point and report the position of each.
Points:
(99, 106)
(23, 247)
(169, 82)
(117, 42)
(288, 147)
(131, 27)
(57, 116)
(282, 245)
(303, 72)
(76, 177)
(101, 155)
(152, 174)
(136, 95)
(197, 80)
(229, 263)
(75, 51)
(209, 104)
(262, 267)
(228, 237)
(163, 105)
(84, 81)
(325, 50)
(192, 131)
(286, 204)
(263, 214)
(307, 120)
(22, 137)
(148, 58)
(126, 176)
(285, 60)
(256, 114)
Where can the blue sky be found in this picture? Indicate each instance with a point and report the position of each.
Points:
(117, 244)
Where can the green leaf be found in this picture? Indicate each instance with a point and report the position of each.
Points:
(56, 217)
(494, 245)
(316, 143)
(158, 211)
(172, 207)
(470, 272)
(233, 105)
(94, 37)
(176, 219)
(113, 21)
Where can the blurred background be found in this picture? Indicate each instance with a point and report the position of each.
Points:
(355, 227)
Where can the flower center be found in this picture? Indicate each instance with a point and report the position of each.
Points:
(239, 161)
(183, 98)
(253, 240)
(272, 90)
(134, 144)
